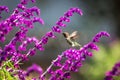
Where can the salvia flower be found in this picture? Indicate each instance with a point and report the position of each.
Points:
(3, 8)
(24, 20)
(21, 75)
(24, 2)
(99, 35)
(114, 73)
(70, 61)
(36, 68)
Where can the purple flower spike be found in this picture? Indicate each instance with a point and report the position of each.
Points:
(59, 23)
(50, 34)
(32, 52)
(44, 40)
(37, 19)
(73, 10)
(36, 68)
(24, 2)
(115, 72)
(21, 75)
(10, 48)
(93, 46)
(39, 47)
(88, 53)
(2, 38)
(64, 19)
(99, 35)
(56, 29)
(71, 60)
(20, 6)
(33, 1)
(36, 10)
(4, 8)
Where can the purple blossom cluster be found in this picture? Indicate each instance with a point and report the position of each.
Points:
(24, 18)
(71, 59)
(115, 72)
(3, 8)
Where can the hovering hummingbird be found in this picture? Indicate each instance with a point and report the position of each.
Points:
(71, 38)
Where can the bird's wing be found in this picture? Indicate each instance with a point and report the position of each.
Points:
(74, 35)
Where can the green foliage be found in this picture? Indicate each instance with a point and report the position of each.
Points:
(102, 61)
(4, 74)
(116, 78)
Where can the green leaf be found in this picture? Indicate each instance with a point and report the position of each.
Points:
(116, 78)
(5, 75)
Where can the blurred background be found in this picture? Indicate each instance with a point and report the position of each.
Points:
(98, 15)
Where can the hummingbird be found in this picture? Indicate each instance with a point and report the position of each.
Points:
(70, 38)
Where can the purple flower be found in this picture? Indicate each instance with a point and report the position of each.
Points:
(20, 6)
(115, 72)
(21, 75)
(36, 19)
(23, 18)
(99, 35)
(50, 34)
(73, 10)
(24, 2)
(36, 68)
(71, 60)
(56, 29)
(32, 52)
(4, 8)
